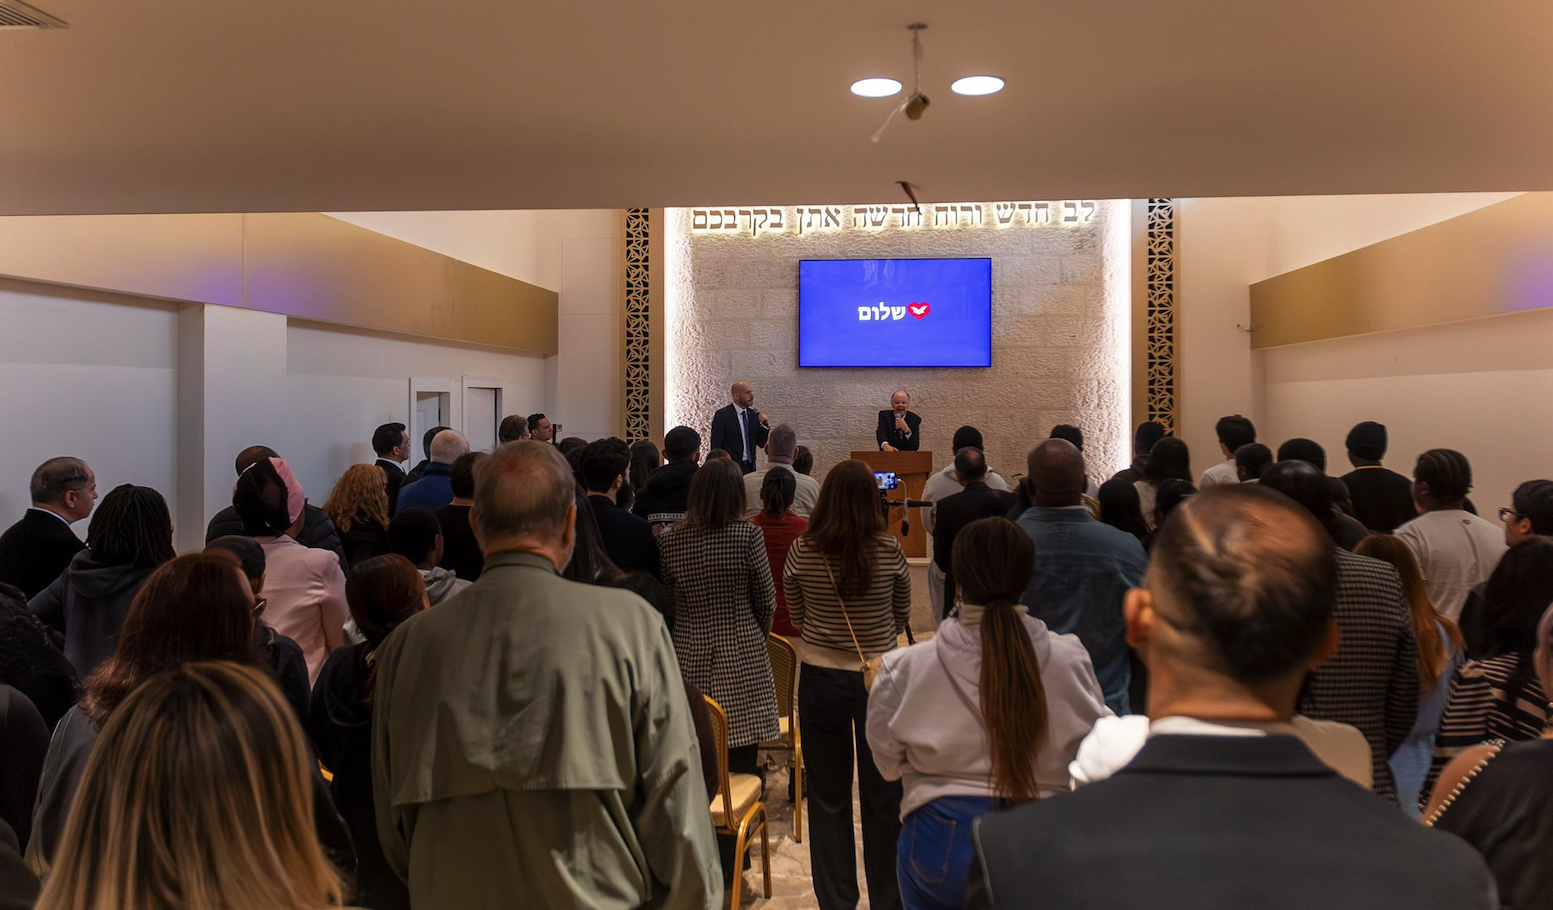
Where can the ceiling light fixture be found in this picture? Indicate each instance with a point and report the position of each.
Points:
(977, 85)
(876, 87)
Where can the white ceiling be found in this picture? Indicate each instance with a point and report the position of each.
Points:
(329, 105)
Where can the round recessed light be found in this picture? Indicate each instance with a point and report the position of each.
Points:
(876, 87)
(977, 85)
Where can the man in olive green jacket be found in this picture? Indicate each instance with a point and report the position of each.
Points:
(532, 746)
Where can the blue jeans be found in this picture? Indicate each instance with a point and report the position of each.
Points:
(935, 852)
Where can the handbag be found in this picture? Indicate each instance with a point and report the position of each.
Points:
(870, 668)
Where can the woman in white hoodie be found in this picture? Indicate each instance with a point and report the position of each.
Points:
(988, 714)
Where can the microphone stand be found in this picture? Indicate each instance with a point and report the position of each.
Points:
(907, 504)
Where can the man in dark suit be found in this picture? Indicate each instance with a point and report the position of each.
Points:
(1224, 808)
(899, 428)
(392, 445)
(40, 546)
(956, 511)
(739, 429)
(627, 539)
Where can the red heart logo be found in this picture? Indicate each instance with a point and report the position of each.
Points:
(920, 309)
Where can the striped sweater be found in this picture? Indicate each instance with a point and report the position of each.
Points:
(1487, 701)
(878, 614)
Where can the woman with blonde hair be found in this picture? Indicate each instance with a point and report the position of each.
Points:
(358, 505)
(196, 796)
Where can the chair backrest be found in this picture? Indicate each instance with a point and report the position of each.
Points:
(720, 734)
(784, 670)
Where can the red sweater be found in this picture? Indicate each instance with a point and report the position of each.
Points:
(780, 534)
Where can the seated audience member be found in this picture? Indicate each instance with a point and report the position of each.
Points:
(460, 549)
(803, 460)
(1076, 436)
(434, 490)
(1504, 807)
(1251, 460)
(30, 662)
(662, 500)
(626, 538)
(540, 428)
(24, 741)
(1119, 507)
(1168, 460)
(956, 512)
(1167, 495)
(419, 471)
(304, 592)
(1148, 433)
(1237, 608)
(383, 592)
(318, 531)
(1382, 499)
(86, 605)
(18, 886)
(1530, 515)
(391, 444)
(283, 655)
(1439, 654)
(193, 608)
(944, 484)
(986, 715)
(780, 526)
(1456, 549)
(1371, 680)
(781, 444)
(450, 780)
(645, 461)
(358, 506)
(416, 535)
(35, 550)
(1233, 431)
(1083, 567)
(196, 796)
(514, 428)
(1497, 694)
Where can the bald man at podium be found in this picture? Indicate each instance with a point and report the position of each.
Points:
(899, 428)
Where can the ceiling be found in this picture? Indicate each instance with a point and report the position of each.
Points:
(348, 105)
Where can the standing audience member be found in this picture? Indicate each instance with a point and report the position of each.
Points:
(1168, 460)
(779, 527)
(1169, 494)
(849, 594)
(1233, 431)
(1083, 567)
(85, 607)
(1076, 436)
(24, 741)
(513, 428)
(460, 550)
(1530, 514)
(283, 656)
(419, 471)
(29, 661)
(18, 886)
(1456, 549)
(1119, 507)
(1504, 808)
(1148, 433)
(35, 550)
(304, 591)
(1382, 499)
(663, 500)
(718, 581)
(1251, 460)
(781, 444)
(1224, 809)
(1307, 450)
(956, 512)
(416, 535)
(383, 592)
(986, 715)
(803, 461)
(391, 443)
(589, 563)
(571, 449)
(941, 486)
(1371, 681)
(196, 796)
(1347, 530)
(645, 460)
(472, 763)
(1439, 654)
(540, 428)
(626, 538)
(434, 490)
(359, 507)
(318, 531)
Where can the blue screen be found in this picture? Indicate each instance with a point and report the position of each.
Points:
(895, 313)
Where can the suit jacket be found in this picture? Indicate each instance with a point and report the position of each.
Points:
(1221, 823)
(1382, 498)
(35, 550)
(953, 513)
(460, 551)
(627, 539)
(887, 433)
(396, 480)
(727, 435)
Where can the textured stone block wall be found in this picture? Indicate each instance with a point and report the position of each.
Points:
(1060, 337)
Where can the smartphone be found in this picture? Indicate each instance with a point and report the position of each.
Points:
(887, 480)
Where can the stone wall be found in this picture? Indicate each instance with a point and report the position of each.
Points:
(1060, 335)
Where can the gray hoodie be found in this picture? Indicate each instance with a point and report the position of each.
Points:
(441, 584)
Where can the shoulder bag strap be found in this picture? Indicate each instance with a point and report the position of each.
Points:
(837, 588)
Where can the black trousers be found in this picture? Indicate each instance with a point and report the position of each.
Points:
(833, 715)
(743, 760)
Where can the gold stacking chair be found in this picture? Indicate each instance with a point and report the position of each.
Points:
(736, 807)
(784, 670)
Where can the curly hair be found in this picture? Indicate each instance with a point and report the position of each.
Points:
(361, 494)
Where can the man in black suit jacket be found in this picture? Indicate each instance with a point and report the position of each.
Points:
(627, 539)
(392, 444)
(739, 429)
(956, 511)
(1225, 809)
(899, 429)
(35, 550)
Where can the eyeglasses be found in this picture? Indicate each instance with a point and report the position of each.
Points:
(1507, 514)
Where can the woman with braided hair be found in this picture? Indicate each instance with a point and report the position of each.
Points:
(1456, 549)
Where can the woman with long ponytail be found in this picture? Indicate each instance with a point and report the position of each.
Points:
(986, 715)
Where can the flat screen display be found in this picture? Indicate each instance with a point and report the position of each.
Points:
(895, 313)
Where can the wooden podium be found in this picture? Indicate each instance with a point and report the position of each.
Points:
(913, 469)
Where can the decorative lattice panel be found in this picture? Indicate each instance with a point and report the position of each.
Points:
(1160, 347)
(638, 322)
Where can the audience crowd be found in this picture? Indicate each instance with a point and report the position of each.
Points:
(522, 677)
